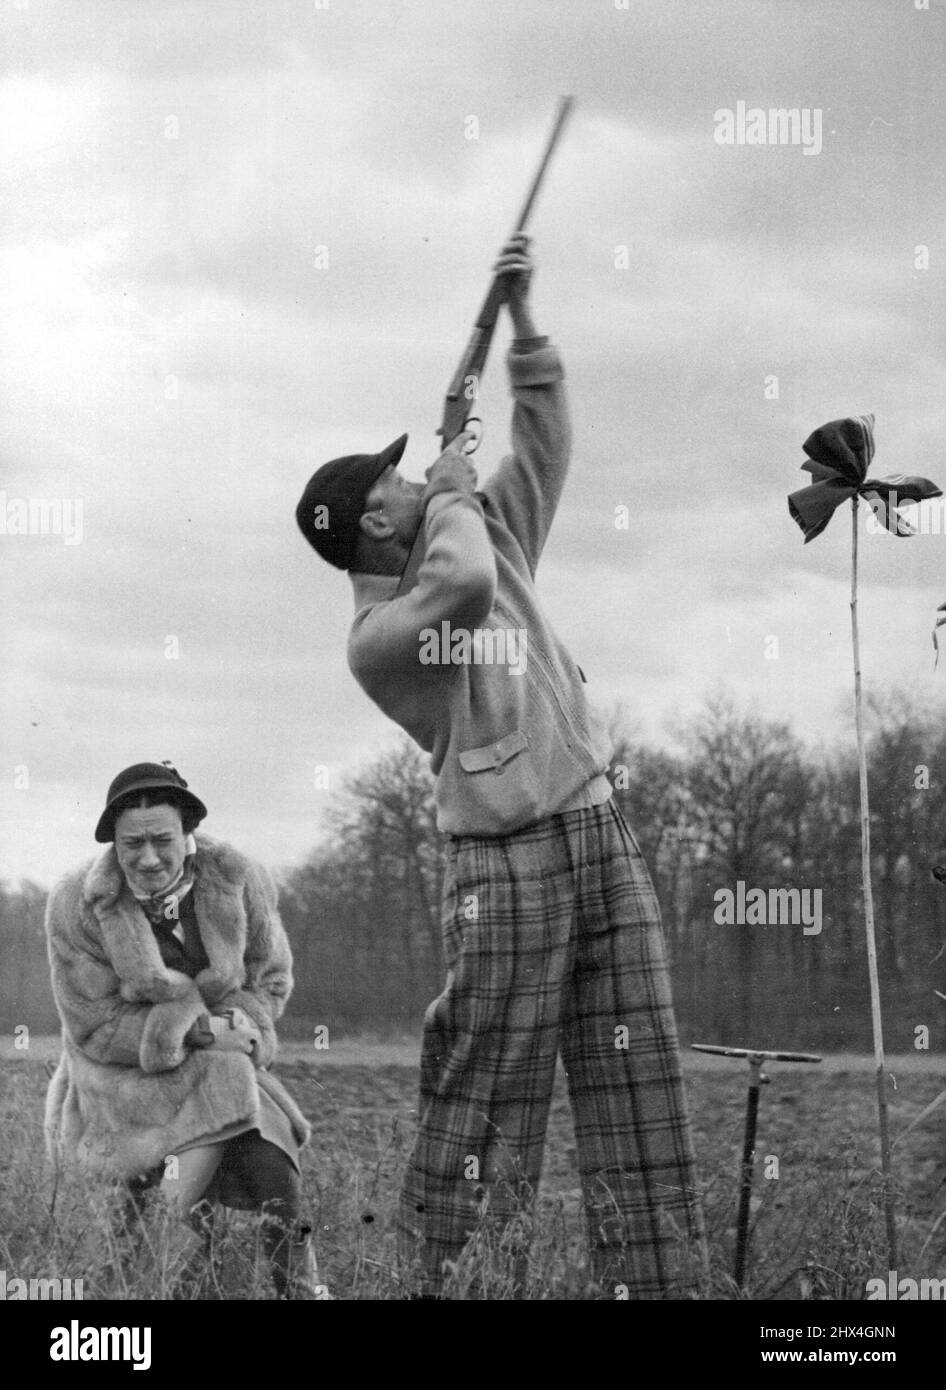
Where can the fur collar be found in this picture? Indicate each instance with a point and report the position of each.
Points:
(130, 943)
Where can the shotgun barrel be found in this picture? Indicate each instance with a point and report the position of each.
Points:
(464, 385)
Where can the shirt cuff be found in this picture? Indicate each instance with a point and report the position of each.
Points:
(538, 367)
(529, 344)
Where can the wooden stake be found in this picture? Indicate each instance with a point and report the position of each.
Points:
(876, 1017)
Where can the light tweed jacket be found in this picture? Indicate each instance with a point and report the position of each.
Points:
(128, 1091)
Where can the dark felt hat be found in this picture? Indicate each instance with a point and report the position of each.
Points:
(145, 777)
(334, 501)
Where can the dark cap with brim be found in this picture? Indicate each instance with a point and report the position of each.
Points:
(145, 777)
(334, 501)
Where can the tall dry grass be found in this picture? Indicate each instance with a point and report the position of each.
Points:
(817, 1230)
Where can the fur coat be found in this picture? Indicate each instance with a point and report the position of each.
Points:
(128, 1091)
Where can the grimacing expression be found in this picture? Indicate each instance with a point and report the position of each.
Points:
(150, 844)
(398, 503)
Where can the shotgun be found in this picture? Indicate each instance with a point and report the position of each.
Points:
(464, 386)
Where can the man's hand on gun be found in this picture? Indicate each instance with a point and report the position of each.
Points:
(452, 472)
(515, 263)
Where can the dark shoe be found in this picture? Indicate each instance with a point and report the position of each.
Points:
(293, 1264)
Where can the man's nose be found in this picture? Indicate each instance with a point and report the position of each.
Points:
(148, 857)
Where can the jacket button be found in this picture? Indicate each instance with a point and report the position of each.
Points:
(499, 771)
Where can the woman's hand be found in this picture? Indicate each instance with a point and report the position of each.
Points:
(234, 1031)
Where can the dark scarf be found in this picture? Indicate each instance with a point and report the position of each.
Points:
(186, 952)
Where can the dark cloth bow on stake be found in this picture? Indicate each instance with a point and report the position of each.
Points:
(839, 455)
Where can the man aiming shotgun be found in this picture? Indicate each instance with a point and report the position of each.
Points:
(551, 928)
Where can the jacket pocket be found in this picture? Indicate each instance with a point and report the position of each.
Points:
(494, 755)
(500, 791)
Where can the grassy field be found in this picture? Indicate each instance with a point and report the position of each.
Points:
(817, 1228)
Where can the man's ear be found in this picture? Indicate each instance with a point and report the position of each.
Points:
(375, 527)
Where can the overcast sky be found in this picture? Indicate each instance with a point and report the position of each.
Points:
(177, 355)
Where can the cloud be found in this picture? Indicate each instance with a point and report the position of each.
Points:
(177, 353)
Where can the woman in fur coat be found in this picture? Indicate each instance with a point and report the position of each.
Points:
(170, 967)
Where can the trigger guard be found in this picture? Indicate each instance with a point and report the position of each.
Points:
(474, 426)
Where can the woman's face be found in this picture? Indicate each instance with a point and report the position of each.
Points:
(149, 842)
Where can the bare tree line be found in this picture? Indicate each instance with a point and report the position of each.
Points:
(739, 799)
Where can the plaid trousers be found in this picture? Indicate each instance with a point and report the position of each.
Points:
(553, 941)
